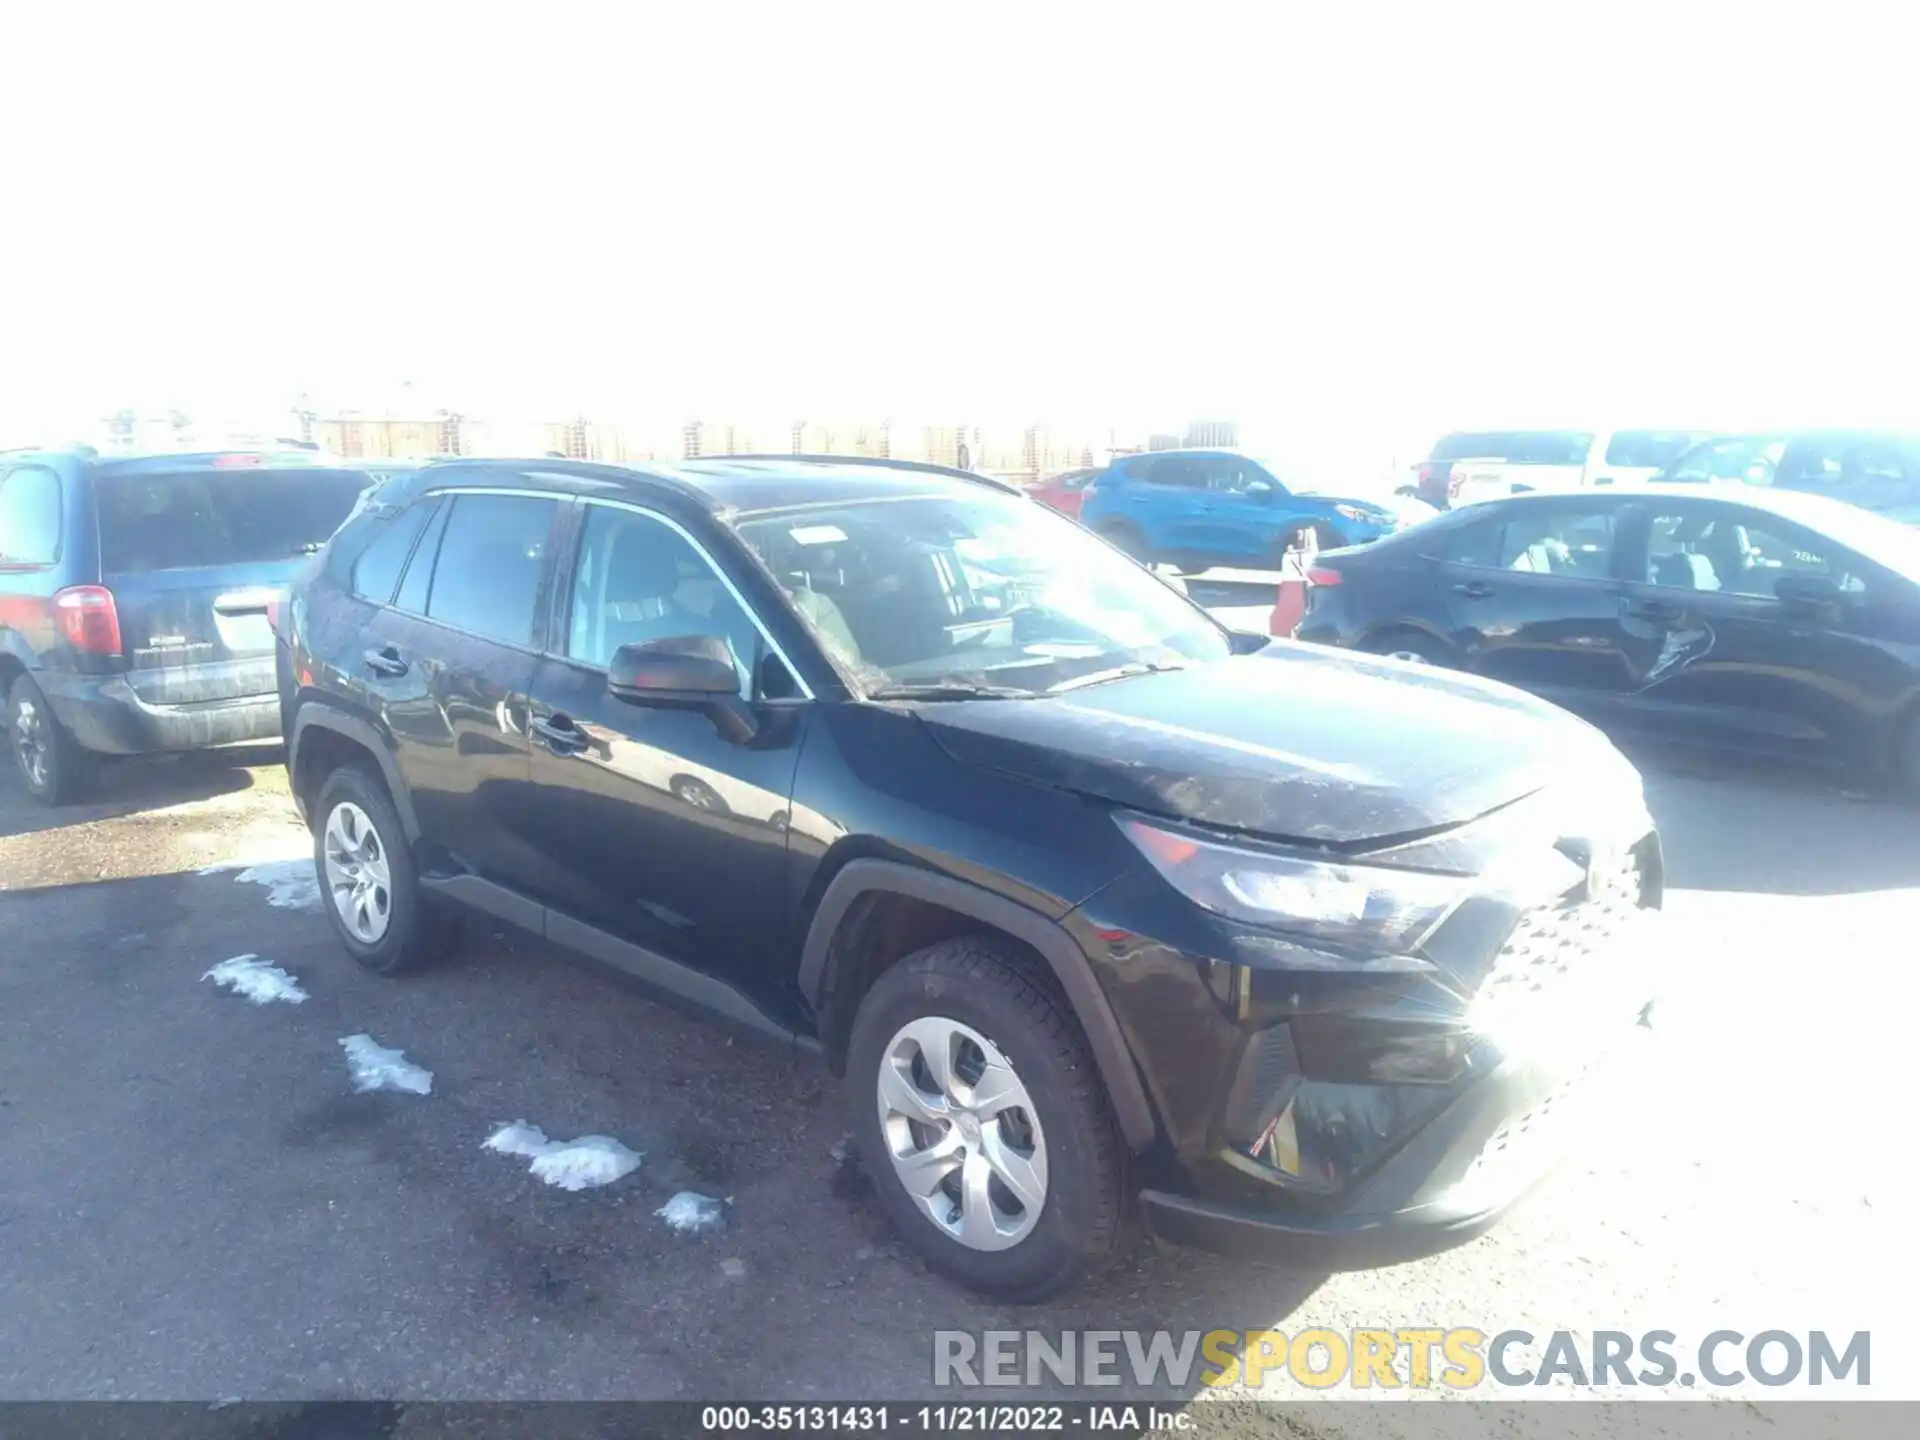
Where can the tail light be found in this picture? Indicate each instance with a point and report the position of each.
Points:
(1323, 575)
(274, 609)
(88, 619)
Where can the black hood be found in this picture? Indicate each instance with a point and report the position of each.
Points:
(1293, 743)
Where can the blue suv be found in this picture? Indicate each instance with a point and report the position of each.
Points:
(136, 596)
(1195, 509)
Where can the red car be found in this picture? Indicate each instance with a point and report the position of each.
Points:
(1062, 492)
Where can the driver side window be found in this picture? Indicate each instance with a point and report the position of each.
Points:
(1719, 551)
(637, 579)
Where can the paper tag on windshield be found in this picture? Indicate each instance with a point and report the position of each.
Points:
(817, 534)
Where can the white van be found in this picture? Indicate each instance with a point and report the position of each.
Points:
(1471, 465)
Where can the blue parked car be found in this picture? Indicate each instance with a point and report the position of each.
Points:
(1197, 509)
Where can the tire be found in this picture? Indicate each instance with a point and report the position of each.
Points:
(404, 931)
(973, 992)
(1412, 647)
(691, 790)
(52, 764)
(1125, 537)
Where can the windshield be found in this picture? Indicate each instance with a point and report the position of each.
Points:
(980, 593)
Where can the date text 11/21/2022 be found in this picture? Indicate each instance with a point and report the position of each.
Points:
(945, 1419)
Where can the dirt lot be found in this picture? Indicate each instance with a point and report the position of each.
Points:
(197, 1205)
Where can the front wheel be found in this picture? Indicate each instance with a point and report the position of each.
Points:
(984, 1122)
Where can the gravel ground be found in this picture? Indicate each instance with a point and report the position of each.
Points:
(197, 1205)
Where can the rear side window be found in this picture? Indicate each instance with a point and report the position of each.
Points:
(30, 516)
(377, 570)
(486, 579)
(200, 518)
(413, 590)
(1537, 540)
(1647, 449)
(1184, 472)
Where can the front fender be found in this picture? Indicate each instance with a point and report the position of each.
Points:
(1070, 968)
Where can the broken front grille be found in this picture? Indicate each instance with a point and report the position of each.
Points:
(1554, 945)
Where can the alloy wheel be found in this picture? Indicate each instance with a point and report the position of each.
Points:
(30, 743)
(962, 1133)
(357, 877)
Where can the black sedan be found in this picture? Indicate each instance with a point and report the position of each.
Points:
(1756, 619)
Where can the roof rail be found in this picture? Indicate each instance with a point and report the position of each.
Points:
(878, 462)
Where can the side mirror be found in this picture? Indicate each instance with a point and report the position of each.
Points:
(1261, 490)
(1813, 591)
(687, 672)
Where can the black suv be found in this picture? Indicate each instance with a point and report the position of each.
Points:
(1094, 908)
(134, 599)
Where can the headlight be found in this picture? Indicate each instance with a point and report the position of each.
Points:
(1352, 512)
(1352, 906)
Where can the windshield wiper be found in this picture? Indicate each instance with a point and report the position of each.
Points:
(950, 690)
(1119, 672)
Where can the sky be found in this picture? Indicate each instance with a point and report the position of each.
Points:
(1350, 231)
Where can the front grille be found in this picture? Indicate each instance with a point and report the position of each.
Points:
(1554, 944)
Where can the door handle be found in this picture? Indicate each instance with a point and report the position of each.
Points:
(385, 661)
(1473, 590)
(563, 737)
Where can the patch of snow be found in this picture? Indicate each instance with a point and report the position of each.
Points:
(586, 1163)
(291, 884)
(519, 1138)
(256, 980)
(689, 1213)
(374, 1068)
(583, 1164)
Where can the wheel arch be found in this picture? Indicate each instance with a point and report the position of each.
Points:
(1370, 640)
(864, 885)
(322, 732)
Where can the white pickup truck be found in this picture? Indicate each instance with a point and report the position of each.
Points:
(1471, 465)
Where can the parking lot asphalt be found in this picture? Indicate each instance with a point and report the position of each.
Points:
(195, 1204)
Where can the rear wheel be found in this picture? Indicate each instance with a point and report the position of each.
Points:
(1411, 647)
(984, 1122)
(367, 876)
(52, 763)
